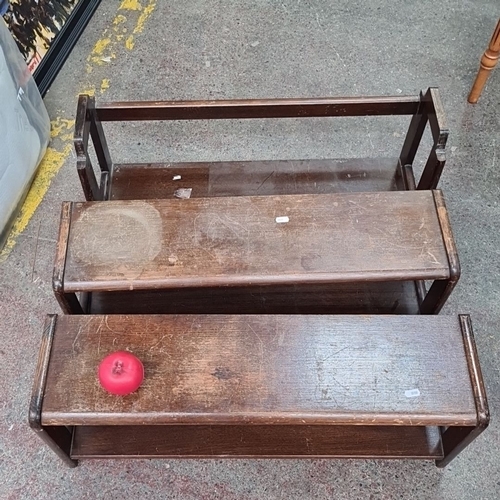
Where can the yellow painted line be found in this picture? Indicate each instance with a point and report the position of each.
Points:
(100, 46)
(104, 85)
(130, 42)
(139, 27)
(146, 13)
(131, 5)
(119, 19)
(59, 126)
(62, 129)
(49, 166)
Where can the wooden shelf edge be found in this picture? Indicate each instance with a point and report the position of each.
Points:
(344, 419)
(256, 280)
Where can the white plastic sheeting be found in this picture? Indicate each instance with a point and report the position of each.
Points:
(24, 130)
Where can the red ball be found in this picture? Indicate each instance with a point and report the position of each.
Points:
(121, 373)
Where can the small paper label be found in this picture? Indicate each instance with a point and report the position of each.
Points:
(282, 219)
(176, 178)
(412, 393)
(183, 193)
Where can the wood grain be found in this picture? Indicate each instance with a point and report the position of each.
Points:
(256, 441)
(142, 181)
(437, 118)
(440, 290)
(448, 238)
(98, 138)
(291, 370)
(439, 129)
(257, 108)
(394, 297)
(415, 132)
(59, 439)
(82, 126)
(236, 241)
(456, 439)
(40, 379)
(61, 248)
(423, 107)
(68, 301)
(482, 408)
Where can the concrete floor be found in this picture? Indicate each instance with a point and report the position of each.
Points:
(237, 49)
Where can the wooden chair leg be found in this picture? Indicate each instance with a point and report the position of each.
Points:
(488, 62)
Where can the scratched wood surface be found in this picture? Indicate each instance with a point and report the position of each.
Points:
(143, 181)
(258, 108)
(203, 242)
(257, 441)
(210, 369)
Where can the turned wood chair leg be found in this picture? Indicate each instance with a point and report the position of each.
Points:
(488, 62)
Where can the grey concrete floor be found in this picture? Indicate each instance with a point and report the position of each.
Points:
(237, 49)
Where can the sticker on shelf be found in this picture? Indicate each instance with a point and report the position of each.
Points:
(283, 219)
(412, 393)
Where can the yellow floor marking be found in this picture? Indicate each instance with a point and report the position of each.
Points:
(60, 125)
(62, 129)
(131, 5)
(119, 19)
(100, 46)
(49, 166)
(139, 27)
(104, 85)
(146, 13)
(130, 42)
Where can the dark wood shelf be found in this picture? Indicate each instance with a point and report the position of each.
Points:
(262, 386)
(396, 297)
(214, 186)
(214, 252)
(256, 441)
(247, 178)
(143, 181)
(251, 260)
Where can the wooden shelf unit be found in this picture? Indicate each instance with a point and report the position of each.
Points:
(155, 180)
(262, 386)
(238, 297)
(344, 252)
